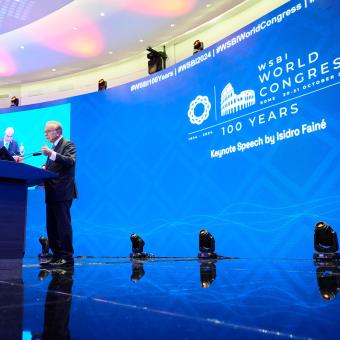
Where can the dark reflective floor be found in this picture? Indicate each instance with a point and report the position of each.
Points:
(115, 298)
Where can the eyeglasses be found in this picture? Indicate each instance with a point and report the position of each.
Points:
(51, 130)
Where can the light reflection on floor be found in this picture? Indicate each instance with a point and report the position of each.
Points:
(182, 298)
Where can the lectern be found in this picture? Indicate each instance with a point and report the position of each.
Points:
(15, 178)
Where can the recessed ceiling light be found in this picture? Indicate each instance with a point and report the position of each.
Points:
(102, 14)
(110, 52)
(75, 28)
(172, 25)
(141, 40)
(208, 5)
(22, 47)
(54, 69)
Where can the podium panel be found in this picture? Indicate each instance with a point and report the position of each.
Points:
(12, 217)
(14, 180)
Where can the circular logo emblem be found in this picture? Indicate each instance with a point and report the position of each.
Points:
(198, 120)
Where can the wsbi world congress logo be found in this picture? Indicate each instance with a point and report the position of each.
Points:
(230, 103)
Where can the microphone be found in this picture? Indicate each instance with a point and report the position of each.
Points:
(32, 154)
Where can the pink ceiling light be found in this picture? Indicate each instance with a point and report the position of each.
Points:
(164, 8)
(7, 65)
(85, 42)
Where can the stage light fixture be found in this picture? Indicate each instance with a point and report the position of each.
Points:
(325, 242)
(206, 245)
(137, 247)
(102, 85)
(157, 60)
(44, 247)
(137, 244)
(14, 101)
(198, 46)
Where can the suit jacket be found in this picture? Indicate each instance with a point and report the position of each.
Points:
(13, 148)
(62, 188)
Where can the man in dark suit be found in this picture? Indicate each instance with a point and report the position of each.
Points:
(10, 144)
(59, 193)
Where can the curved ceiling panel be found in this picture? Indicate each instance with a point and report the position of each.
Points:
(18, 13)
(43, 39)
(163, 8)
(7, 65)
(84, 40)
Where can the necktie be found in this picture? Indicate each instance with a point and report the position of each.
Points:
(7, 145)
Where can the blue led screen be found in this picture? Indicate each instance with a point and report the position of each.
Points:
(29, 128)
(241, 139)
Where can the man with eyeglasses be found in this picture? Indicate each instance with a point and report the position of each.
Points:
(59, 194)
(9, 143)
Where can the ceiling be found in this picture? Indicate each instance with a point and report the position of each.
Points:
(42, 39)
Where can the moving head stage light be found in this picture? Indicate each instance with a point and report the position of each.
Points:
(102, 85)
(198, 46)
(206, 245)
(137, 247)
(14, 101)
(157, 60)
(45, 247)
(325, 242)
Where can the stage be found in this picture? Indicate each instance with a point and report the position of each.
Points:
(116, 298)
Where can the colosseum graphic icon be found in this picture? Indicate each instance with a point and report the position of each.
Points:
(232, 102)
